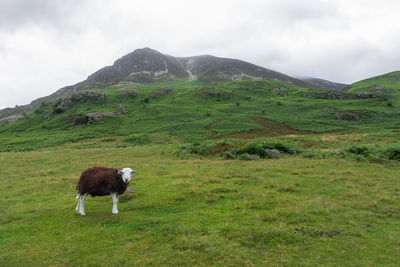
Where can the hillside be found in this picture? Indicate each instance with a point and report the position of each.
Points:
(196, 110)
(385, 84)
(147, 66)
(324, 84)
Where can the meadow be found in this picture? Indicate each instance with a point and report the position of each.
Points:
(199, 211)
(206, 194)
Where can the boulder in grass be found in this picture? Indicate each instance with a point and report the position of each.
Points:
(129, 93)
(348, 116)
(272, 153)
(160, 92)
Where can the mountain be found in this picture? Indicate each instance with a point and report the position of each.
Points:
(324, 84)
(175, 109)
(147, 65)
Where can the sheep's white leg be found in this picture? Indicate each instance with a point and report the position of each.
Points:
(78, 196)
(115, 202)
(81, 204)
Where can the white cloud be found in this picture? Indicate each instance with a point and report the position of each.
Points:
(48, 44)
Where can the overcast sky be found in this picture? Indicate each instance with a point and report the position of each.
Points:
(48, 44)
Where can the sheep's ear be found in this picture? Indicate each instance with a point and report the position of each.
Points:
(119, 172)
(133, 171)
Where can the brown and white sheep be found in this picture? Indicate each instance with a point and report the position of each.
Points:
(101, 181)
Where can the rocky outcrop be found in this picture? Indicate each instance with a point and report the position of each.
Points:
(161, 92)
(213, 92)
(339, 96)
(67, 103)
(129, 93)
(90, 118)
(283, 94)
(10, 119)
(348, 116)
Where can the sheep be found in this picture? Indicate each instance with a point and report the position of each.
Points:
(101, 181)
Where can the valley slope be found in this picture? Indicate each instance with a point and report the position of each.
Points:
(198, 98)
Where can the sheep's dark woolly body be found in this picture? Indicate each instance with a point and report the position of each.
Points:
(101, 181)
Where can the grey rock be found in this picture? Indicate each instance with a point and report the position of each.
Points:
(273, 153)
(160, 92)
(348, 116)
(283, 94)
(129, 93)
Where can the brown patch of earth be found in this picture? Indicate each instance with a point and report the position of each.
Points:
(309, 144)
(271, 129)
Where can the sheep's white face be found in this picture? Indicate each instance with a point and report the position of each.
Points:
(126, 174)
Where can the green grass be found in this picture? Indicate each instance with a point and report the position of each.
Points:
(331, 199)
(291, 211)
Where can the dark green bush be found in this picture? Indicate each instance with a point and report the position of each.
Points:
(208, 148)
(393, 152)
(372, 153)
(58, 110)
(359, 150)
(259, 149)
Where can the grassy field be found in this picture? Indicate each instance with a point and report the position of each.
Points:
(199, 211)
(206, 194)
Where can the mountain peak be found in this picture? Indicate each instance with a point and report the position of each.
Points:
(146, 50)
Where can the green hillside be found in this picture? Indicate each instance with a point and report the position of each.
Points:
(385, 84)
(194, 111)
(211, 188)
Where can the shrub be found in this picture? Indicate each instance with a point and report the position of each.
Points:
(229, 155)
(58, 110)
(81, 119)
(208, 148)
(359, 150)
(246, 156)
(393, 152)
(373, 153)
(259, 149)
